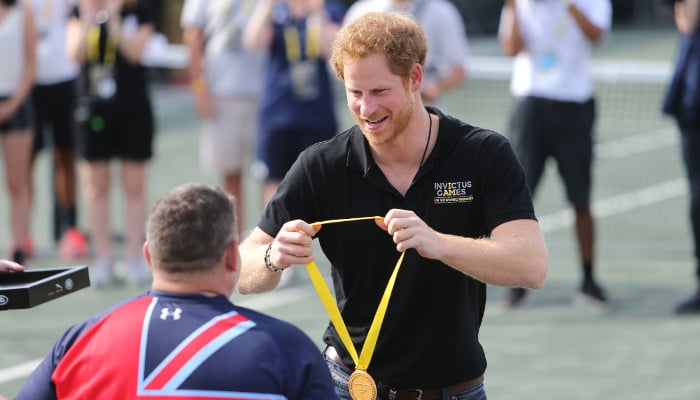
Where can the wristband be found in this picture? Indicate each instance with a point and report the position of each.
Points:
(268, 263)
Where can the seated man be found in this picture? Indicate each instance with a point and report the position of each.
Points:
(184, 338)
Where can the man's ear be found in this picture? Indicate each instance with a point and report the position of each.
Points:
(416, 77)
(147, 254)
(231, 256)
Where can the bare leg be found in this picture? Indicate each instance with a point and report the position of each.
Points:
(64, 161)
(96, 187)
(134, 185)
(585, 233)
(233, 186)
(17, 149)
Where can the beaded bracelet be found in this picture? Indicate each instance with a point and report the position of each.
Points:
(268, 263)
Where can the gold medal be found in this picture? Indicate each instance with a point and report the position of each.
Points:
(361, 386)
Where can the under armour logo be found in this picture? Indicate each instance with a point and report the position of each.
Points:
(165, 313)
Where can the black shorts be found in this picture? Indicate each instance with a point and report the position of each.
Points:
(53, 110)
(542, 128)
(19, 121)
(121, 128)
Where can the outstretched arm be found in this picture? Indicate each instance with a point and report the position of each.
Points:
(291, 246)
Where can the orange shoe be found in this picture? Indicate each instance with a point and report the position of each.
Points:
(73, 245)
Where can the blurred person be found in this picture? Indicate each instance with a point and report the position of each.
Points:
(446, 64)
(107, 38)
(184, 338)
(682, 101)
(453, 198)
(297, 104)
(226, 81)
(297, 107)
(53, 98)
(17, 74)
(10, 266)
(554, 112)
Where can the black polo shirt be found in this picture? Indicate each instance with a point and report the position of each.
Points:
(470, 183)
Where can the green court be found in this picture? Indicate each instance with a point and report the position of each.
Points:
(547, 350)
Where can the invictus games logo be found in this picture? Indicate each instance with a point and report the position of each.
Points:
(453, 192)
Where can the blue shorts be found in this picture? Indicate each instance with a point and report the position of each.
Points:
(278, 148)
(542, 128)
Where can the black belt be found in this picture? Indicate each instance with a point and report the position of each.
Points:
(390, 392)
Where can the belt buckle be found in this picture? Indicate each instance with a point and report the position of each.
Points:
(419, 393)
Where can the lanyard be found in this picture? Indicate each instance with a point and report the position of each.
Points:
(324, 293)
(292, 42)
(93, 46)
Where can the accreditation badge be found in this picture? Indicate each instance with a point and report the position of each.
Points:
(548, 73)
(305, 78)
(102, 82)
(361, 386)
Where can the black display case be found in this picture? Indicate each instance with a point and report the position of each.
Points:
(36, 286)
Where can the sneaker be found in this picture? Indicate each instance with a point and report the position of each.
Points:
(515, 298)
(689, 306)
(72, 245)
(591, 295)
(136, 271)
(102, 274)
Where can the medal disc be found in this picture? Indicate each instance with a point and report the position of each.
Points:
(361, 386)
(106, 87)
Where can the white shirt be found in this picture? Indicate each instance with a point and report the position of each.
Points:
(230, 69)
(556, 61)
(51, 20)
(12, 47)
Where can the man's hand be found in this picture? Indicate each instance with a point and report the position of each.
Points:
(411, 232)
(10, 266)
(293, 244)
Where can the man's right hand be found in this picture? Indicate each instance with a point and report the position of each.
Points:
(293, 244)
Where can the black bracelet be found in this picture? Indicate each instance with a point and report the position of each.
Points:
(268, 263)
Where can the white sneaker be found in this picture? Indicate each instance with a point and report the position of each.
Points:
(136, 270)
(102, 274)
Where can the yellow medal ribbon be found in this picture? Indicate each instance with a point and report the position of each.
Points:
(93, 47)
(324, 293)
(313, 39)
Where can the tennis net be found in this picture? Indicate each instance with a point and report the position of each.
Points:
(639, 191)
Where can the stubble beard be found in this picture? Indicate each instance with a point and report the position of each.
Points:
(400, 121)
